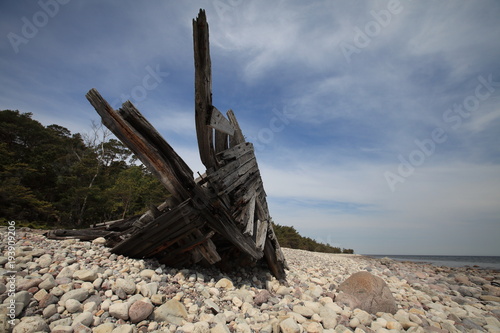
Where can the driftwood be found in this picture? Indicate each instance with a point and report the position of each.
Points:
(222, 216)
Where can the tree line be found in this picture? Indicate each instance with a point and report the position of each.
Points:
(289, 237)
(51, 178)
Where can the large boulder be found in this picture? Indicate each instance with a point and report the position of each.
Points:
(367, 292)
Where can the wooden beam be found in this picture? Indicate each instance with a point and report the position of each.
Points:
(224, 225)
(239, 177)
(207, 248)
(236, 151)
(222, 174)
(238, 134)
(248, 217)
(203, 90)
(260, 239)
(83, 234)
(176, 165)
(166, 227)
(220, 123)
(274, 265)
(154, 212)
(221, 142)
(165, 164)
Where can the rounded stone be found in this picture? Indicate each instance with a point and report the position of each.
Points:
(312, 327)
(49, 311)
(31, 325)
(47, 300)
(149, 289)
(62, 329)
(224, 283)
(368, 292)
(237, 302)
(262, 297)
(119, 310)
(394, 325)
(304, 311)
(22, 297)
(147, 273)
(90, 307)
(72, 305)
(99, 241)
(45, 260)
(289, 326)
(128, 286)
(80, 328)
(329, 317)
(78, 294)
(84, 318)
(126, 328)
(172, 311)
(104, 328)
(220, 328)
(139, 311)
(87, 275)
(26, 284)
(48, 283)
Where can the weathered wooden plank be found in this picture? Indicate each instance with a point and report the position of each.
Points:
(238, 137)
(231, 167)
(153, 233)
(248, 217)
(154, 213)
(231, 232)
(165, 245)
(252, 185)
(195, 240)
(236, 151)
(239, 177)
(84, 235)
(240, 206)
(276, 267)
(261, 208)
(104, 225)
(203, 90)
(221, 142)
(207, 249)
(209, 252)
(261, 235)
(220, 123)
(176, 164)
(277, 248)
(164, 169)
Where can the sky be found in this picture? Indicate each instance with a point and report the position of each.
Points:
(376, 124)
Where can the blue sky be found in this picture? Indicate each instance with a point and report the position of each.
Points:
(376, 124)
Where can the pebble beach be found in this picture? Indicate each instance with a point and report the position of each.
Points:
(70, 286)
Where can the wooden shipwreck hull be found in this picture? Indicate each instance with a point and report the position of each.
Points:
(220, 217)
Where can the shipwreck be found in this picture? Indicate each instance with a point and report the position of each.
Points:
(221, 216)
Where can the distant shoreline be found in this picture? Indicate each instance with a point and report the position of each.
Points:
(479, 262)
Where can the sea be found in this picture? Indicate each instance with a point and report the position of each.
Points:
(485, 262)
